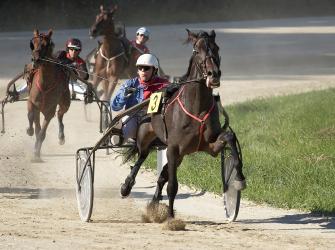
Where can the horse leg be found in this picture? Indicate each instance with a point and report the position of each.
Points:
(31, 110)
(40, 138)
(130, 180)
(230, 138)
(163, 178)
(37, 122)
(104, 96)
(96, 81)
(110, 88)
(174, 160)
(63, 108)
(61, 136)
(144, 138)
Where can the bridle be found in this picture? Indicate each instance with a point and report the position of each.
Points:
(41, 50)
(201, 65)
(102, 23)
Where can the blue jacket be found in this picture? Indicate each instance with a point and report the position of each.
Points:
(121, 101)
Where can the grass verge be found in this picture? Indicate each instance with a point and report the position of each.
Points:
(288, 146)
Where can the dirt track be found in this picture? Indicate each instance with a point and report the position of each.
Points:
(37, 201)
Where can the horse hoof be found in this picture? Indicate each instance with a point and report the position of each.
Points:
(125, 190)
(127, 186)
(36, 159)
(240, 185)
(30, 131)
(61, 141)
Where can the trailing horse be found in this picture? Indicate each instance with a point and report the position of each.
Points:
(189, 122)
(112, 59)
(49, 88)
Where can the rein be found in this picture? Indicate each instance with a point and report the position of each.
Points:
(67, 66)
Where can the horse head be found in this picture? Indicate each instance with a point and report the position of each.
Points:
(41, 45)
(205, 61)
(104, 22)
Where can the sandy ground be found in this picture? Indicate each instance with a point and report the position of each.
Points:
(38, 208)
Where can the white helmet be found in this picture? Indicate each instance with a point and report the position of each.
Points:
(143, 31)
(147, 60)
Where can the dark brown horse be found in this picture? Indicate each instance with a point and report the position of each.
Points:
(49, 88)
(112, 57)
(190, 121)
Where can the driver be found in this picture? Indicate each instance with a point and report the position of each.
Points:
(69, 57)
(137, 89)
(142, 36)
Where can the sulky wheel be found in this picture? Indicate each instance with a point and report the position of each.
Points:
(231, 196)
(84, 187)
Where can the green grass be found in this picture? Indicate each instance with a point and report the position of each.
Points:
(288, 146)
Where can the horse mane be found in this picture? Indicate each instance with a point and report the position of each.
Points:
(200, 34)
(184, 77)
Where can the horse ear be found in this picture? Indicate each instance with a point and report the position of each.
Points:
(188, 31)
(50, 33)
(212, 34)
(191, 36)
(36, 33)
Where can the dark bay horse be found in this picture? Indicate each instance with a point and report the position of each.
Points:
(112, 58)
(189, 123)
(48, 89)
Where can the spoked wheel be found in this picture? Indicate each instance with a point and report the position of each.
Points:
(231, 196)
(84, 187)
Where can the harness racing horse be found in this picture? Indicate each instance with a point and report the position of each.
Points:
(112, 57)
(48, 89)
(189, 122)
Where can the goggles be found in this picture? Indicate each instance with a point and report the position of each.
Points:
(73, 48)
(143, 68)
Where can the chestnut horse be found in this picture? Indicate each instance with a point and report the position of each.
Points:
(49, 88)
(112, 58)
(189, 123)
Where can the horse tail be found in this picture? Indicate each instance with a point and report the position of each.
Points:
(130, 153)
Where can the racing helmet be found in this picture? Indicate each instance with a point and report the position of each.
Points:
(147, 60)
(73, 43)
(143, 31)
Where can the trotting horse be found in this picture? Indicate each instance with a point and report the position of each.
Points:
(112, 57)
(49, 88)
(189, 123)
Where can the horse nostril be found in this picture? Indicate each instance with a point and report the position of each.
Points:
(219, 73)
(209, 73)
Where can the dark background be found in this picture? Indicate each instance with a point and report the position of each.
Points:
(67, 14)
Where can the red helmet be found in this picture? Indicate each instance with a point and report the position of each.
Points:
(73, 43)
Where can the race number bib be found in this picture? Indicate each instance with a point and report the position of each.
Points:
(155, 100)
